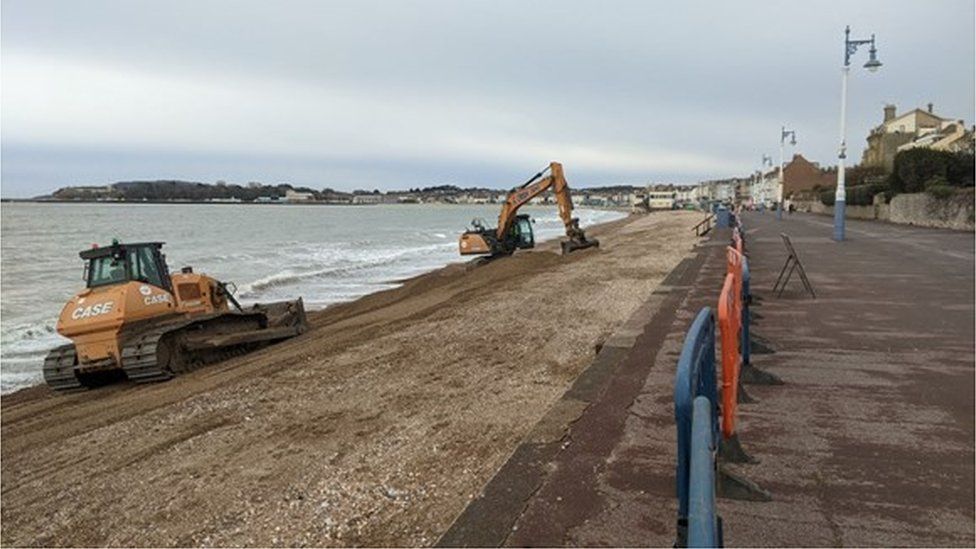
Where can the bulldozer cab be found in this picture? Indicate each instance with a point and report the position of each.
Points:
(522, 232)
(120, 263)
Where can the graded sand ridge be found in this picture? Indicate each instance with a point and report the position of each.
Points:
(374, 428)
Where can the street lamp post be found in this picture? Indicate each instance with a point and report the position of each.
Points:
(766, 161)
(783, 133)
(850, 48)
(757, 186)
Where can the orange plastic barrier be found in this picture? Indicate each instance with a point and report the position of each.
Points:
(730, 322)
(733, 266)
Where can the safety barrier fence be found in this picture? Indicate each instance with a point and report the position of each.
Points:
(695, 378)
(738, 242)
(704, 226)
(705, 416)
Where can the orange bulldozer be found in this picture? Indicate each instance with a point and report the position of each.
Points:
(135, 320)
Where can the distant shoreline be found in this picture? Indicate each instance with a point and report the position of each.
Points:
(283, 203)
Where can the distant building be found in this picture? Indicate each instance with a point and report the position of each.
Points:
(763, 188)
(722, 190)
(333, 197)
(687, 194)
(296, 196)
(367, 198)
(951, 137)
(801, 175)
(660, 200)
(922, 127)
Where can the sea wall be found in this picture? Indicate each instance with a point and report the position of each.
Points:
(920, 209)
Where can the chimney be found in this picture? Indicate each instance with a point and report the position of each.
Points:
(889, 112)
(930, 108)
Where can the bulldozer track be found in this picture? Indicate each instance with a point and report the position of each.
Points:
(59, 369)
(142, 361)
(177, 346)
(139, 359)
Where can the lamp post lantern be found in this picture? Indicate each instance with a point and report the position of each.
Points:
(783, 134)
(850, 48)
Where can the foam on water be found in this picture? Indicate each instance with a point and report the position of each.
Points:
(324, 254)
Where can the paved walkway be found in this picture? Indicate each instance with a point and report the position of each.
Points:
(870, 442)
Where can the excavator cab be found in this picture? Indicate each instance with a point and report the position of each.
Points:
(521, 232)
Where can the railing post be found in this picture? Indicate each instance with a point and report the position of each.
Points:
(704, 526)
(746, 298)
(695, 376)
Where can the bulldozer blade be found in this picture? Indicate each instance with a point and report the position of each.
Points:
(570, 246)
(284, 313)
(239, 338)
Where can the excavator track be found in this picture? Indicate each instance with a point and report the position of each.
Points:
(59, 369)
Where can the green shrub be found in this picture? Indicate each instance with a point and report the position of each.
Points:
(915, 167)
(860, 195)
(941, 192)
(938, 187)
(861, 175)
(863, 195)
(827, 197)
(961, 170)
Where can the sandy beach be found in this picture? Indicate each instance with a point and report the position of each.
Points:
(374, 428)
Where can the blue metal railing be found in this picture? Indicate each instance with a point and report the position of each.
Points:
(746, 299)
(695, 377)
(704, 528)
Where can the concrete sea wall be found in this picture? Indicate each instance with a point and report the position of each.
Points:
(920, 209)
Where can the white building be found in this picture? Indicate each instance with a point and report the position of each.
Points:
(660, 200)
(763, 189)
(367, 198)
(295, 196)
(688, 194)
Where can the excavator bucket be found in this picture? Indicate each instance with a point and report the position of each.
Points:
(570, 246)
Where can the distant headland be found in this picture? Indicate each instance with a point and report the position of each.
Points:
(176, 191)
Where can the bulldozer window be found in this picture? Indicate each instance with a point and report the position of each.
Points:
(142, 260)
(106, 270)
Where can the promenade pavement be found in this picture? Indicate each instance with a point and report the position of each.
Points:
(869, 442)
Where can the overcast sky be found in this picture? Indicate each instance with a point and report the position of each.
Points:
(394, 94)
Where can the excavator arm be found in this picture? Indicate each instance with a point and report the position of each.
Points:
(474, 242)
(538, 184)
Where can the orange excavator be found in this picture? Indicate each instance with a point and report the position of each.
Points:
(514, 231)
(135, 320)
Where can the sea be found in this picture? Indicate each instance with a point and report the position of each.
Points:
(324, 254)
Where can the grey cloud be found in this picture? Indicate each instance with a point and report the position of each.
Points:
(377, 93)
